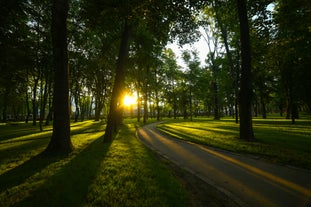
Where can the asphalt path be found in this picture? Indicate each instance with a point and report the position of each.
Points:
(247, 180)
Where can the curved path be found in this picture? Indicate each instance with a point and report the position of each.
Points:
(248, 181)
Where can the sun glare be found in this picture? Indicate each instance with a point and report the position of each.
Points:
(129, 100)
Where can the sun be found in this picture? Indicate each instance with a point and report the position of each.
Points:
(129, 100)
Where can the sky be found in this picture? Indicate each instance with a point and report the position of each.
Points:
(200, 45)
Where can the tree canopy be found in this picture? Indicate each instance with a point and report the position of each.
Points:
(258, 60)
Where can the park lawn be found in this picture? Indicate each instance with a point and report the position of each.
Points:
(277, 139)
(121, 173)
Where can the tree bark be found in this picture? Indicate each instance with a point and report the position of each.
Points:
(115, 111)
(60, 141)
(246, 127)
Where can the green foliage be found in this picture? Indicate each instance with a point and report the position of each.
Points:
(122, 173)
(277, 140)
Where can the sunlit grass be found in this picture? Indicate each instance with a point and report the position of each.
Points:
(276, 139)
(123, 173)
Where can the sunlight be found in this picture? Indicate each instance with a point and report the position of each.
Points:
(129, 100)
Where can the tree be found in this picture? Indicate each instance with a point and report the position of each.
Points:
(60, 141)
(246, 127)
(191, 76)
(14, 57)
(170, 68)
(293, 39)
(221, 8)
(115, 113)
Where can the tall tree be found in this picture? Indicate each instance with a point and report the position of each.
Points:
(293, 45)
(115, 113)
(246, 126)
(60, 141)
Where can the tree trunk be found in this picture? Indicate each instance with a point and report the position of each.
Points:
(114, 111)
(246, 127)
(138, 105)
(263, 107)
(145, 89)
(216, 101)
(60, 141)
(34, 102)
(145, 106)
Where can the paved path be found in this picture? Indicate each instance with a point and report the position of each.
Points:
(249, 181)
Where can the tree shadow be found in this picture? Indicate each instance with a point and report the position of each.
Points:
(16, 132)
(19, 174)
(69, 186)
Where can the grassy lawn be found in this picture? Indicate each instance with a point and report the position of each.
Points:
(122, 173)
(277, 140)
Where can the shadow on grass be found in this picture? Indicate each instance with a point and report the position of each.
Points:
(94, 126)
(19, 131)
(69, 186)
(187, 135)
(20, 173)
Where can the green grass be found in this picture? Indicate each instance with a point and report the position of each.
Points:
(122, 173)
(277, 140)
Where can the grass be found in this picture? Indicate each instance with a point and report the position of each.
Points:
(277, 140)
(122, 173)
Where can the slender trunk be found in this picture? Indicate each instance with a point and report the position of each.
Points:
(216, 102)
(114, 111)
(146, 95)
(263, 107)
(34, 102)
(236, 101)
(145, 107)
(27, 107)
(138, 106)
(27, 98)
(174, 103)
(41, 117)
(246, 127)
(190, 99)
(157, 104)
(5, 105)
(77, 98)
(60, 141)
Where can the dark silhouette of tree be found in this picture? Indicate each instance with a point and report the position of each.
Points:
(115, 113)
(246, 126)
(60, 140)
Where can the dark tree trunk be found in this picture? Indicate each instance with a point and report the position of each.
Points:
(157, 105)
(50, 113)
(34, 102)
(5, 105)
(174, 103)
(246, 127)
(145, 118)
(60, 141)
(263, 108)
(138, 106)
(27, 107)
(145, 106)
(98, 107)
(115, 112)
(27, 100)
(216, 101)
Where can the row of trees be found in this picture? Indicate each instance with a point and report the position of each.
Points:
(118, 46)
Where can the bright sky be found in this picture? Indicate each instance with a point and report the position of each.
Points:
(200, 45)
